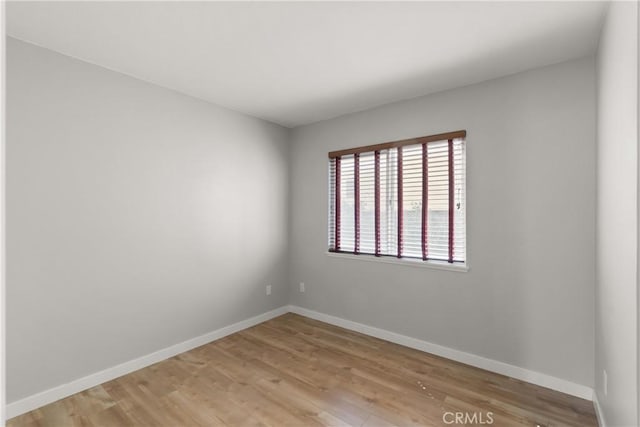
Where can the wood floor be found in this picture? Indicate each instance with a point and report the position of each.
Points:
(294, 371)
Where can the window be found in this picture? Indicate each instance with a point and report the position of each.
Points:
(404, 199)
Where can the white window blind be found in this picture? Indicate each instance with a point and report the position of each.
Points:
(404, 199)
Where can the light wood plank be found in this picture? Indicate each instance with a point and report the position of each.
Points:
(295, 371)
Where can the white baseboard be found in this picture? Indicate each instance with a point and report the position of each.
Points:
(598, 409)
(48, 396)
(533, 377)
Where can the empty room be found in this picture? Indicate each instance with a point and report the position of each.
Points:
(363, 214)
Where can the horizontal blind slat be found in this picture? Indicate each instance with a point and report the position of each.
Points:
(437, 212)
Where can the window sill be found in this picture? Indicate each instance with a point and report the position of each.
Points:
(436, 265)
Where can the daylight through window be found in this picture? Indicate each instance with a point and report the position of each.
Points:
(404, 199)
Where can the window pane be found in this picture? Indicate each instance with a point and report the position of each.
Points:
(367, 203)
(388, 202)
(412, 201)
(438, 197)
(459, 214)
(347, 204)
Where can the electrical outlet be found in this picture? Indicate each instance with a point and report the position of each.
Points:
(605, 380)
(301, 286)
(268, 289)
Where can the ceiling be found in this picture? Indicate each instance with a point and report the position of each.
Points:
(295, 63)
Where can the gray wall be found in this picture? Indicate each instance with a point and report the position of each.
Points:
(617, 216)
(137, 218)
(528, 299)
(127, 218)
